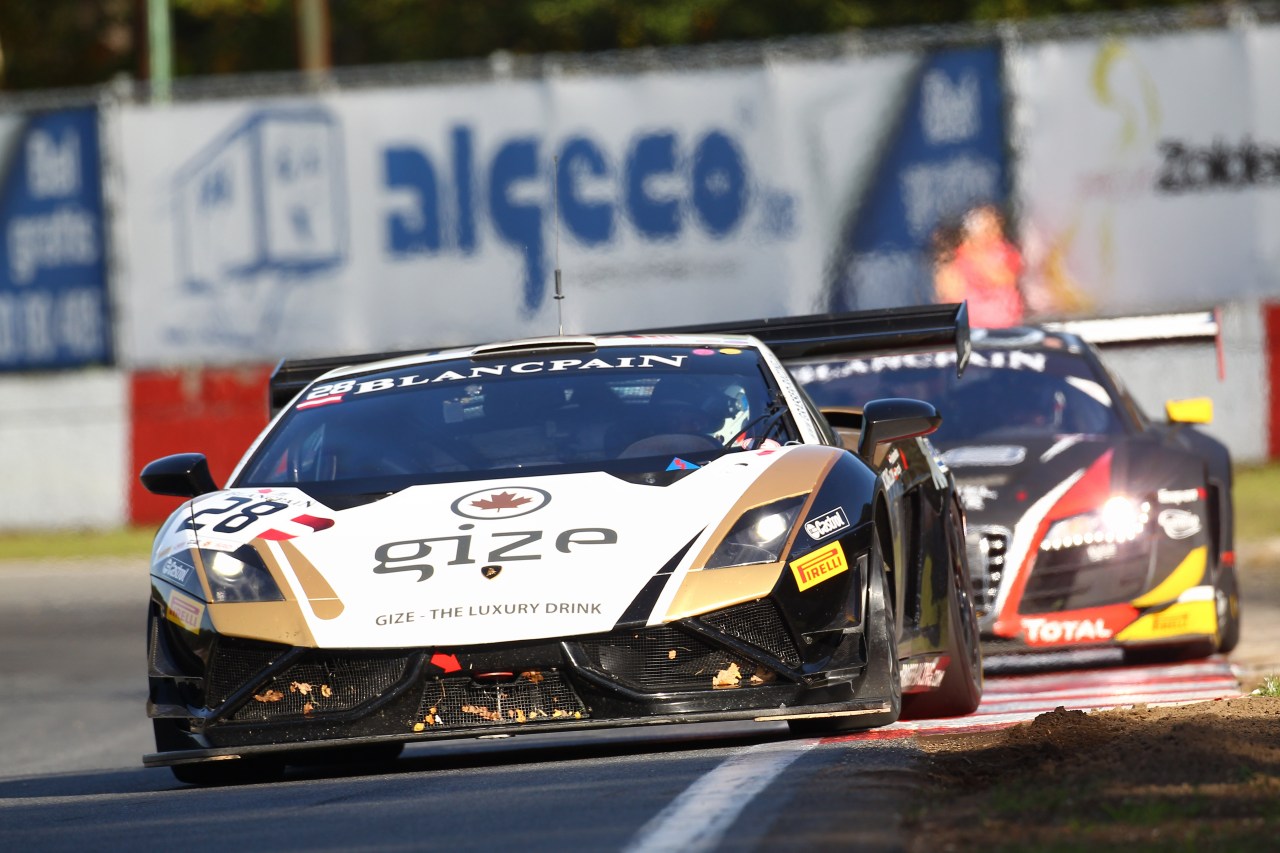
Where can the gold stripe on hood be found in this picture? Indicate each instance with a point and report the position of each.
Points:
(269, 621)
(800, 470)
(324, 601)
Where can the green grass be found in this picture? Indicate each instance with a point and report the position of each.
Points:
(1257, 494)
(1270, 686)
(61, 544)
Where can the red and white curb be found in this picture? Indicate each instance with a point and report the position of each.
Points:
(1011, 699)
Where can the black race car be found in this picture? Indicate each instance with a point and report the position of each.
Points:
(558, 533)
(1089, 523)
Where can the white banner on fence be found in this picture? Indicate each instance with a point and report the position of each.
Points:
(1149, 168)
(434, 216)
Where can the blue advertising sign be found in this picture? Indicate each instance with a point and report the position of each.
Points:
(53, 305)
(944, 156)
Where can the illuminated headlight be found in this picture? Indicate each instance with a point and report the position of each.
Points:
(1119, 520)
(239, 575)
(759, 535)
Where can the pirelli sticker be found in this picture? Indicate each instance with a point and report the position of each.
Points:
(817, 566)
(185, 611)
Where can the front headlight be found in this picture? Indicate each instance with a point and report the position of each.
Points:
(759, 535)
(239, 575)
(1119, 520)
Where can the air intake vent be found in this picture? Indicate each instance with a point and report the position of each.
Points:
(460, 703)
(757, 623)
(987, 548)
(666, 660)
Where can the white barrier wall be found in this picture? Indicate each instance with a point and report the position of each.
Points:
(64, 450)
(1148, 168)
(65, 438)
(1241, 410)
(433, 216)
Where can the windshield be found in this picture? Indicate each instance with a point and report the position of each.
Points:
(576, 410)
(1003, 393)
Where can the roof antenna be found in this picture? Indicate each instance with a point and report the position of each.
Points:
(555, 196)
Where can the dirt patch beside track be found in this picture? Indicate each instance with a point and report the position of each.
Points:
(1191, 777)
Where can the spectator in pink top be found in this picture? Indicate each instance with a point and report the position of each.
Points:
(983, 268)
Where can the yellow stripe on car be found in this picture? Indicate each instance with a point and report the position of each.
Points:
(1189, 573)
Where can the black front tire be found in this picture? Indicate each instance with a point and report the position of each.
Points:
(1226, 594)
(961, 690)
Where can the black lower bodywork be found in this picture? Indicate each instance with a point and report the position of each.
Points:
(245, 698)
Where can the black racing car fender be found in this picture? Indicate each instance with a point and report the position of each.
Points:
(1218, 479)
(824, 615)
(1166, 474)
(915, 496)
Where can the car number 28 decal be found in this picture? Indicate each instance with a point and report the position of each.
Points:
(249, 512)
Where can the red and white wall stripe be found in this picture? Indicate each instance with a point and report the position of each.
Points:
(72, 444)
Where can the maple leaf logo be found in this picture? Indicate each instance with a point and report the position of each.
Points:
(501, 501)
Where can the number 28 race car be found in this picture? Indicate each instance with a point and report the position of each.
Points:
(567, 532)
(1089, 524)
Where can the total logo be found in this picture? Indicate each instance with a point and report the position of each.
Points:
(1043, 631)
(658, 186)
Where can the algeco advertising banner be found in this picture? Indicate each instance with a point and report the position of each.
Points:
(53, 306)
(1149, 169)
(435, 216)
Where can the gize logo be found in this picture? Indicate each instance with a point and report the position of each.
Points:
(659, 186)
(1065, 630)
(826, 524)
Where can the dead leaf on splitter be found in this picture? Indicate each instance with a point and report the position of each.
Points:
(730, 676)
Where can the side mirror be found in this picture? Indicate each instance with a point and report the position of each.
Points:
(894, 419)
(185, 475)
(1197, 410)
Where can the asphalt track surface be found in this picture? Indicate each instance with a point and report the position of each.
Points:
(73, 729)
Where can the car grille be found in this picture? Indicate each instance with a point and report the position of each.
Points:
(234, 665)
(533, 697)
(318, 683)
(758, 624)
(987, 548)
(665, 659)
(1069, 580)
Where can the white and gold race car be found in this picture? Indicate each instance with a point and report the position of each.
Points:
(566, 532)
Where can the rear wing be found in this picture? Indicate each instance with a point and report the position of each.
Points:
(913, 329)
(890, 330)
(1190, 327)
